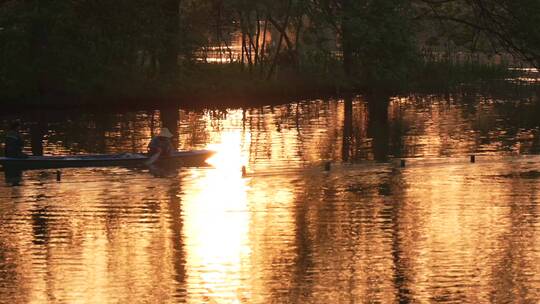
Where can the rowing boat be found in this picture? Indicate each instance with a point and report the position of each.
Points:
(191, 158)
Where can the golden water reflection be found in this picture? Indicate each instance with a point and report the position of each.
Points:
(216, 227)
(439, 230)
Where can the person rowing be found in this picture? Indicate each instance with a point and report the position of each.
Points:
(160, 146)
(14, 143)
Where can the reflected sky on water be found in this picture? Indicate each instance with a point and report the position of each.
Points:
(439, 230)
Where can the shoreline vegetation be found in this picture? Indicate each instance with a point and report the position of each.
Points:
(230, 52)
(215, 85)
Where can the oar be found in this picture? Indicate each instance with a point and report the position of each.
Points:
(152, 159)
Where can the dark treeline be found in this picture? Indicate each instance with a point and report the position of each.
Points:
(166, 47)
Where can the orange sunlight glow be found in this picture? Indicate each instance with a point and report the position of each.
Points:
(217, 223)
(230, 154)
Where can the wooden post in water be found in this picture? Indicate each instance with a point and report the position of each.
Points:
(58, 175)
(327, 166)
(473, 158)
(402, 163)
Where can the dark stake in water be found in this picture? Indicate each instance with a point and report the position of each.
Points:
(306, 202)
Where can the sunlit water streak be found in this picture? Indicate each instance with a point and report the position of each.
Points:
(441, 229)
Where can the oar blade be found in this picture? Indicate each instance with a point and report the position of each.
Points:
(152, 159)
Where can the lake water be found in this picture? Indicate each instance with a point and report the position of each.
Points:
(441, 229)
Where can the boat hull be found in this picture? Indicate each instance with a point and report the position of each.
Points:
(187, 158)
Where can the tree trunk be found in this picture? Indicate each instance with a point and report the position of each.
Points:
(346, 38)
(169, 54)
(282, 36)
(263, 47)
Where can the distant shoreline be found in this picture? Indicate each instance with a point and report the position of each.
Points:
(226, 93)
(191, 101)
